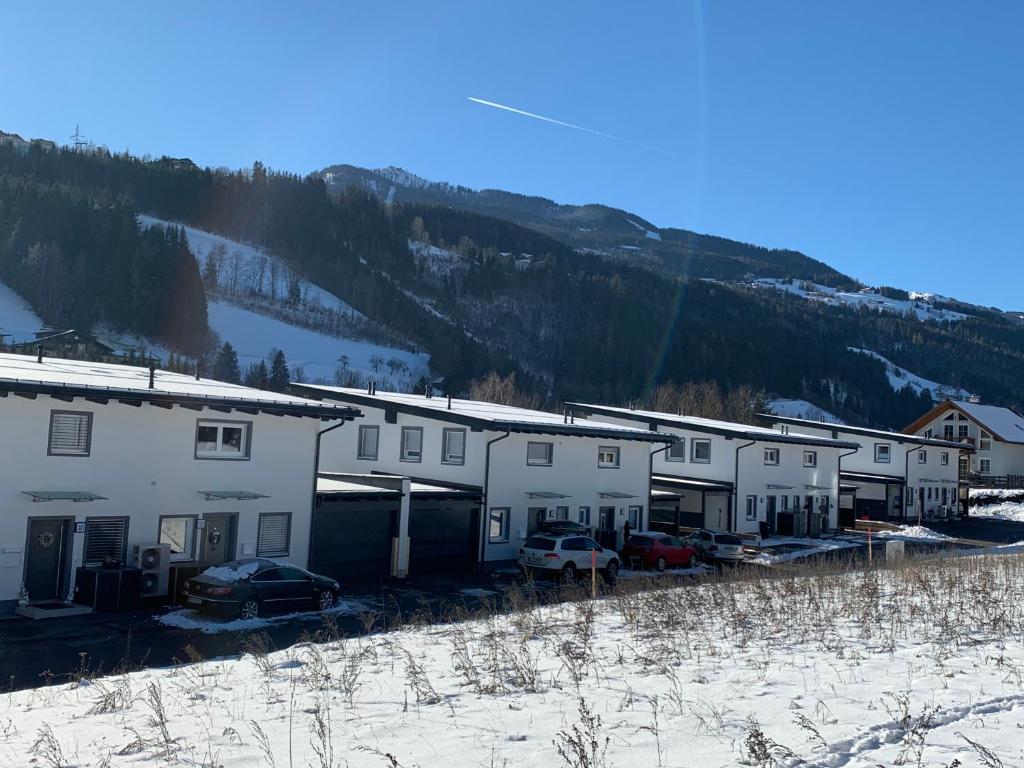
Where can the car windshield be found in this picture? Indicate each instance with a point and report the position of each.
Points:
(727, 538)
(540, 542)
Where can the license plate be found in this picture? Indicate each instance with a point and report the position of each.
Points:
(194, 601)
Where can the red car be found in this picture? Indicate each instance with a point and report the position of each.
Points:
(659, 551)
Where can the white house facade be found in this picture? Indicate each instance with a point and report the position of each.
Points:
(737, 477)
(994, 432)
(892, 476)
(528, 466)
(100, 458)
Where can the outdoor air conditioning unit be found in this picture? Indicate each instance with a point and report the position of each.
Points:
(154, 560)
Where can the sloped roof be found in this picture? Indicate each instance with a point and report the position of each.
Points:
(1002, 422)
(483, 415)
(80, 378)
(879, 434)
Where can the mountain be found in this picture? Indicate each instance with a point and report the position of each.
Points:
(599, 230)
(470, 290)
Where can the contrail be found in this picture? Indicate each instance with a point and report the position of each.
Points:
(564, 124)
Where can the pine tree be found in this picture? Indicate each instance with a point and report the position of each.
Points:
(279, 376)
(225, 367)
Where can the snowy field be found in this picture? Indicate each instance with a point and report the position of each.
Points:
(997, 505)
(917, 665)
(17, 319)
(802, 409)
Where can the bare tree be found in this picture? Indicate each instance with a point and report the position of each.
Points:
(494, 388)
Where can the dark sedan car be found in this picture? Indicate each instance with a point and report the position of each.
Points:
(251, 587)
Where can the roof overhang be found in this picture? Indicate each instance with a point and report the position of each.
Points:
(871, 478)
(673, 482)
(76, 496)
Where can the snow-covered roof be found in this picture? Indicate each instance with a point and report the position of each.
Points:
(712, 426)
(997, 419)
(23, 373)
(484, 415)
(879, 434)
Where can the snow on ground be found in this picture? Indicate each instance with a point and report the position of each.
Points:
(784, 550)
(915, 665)
(994, 493)
(17, 319)
(919, 305)
(918, 532)
(253, 336)
(1004, 510)
(901, 377)
(802, 409)
(185, 618)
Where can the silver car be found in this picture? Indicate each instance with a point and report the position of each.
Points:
(718, 545)
(566, 556)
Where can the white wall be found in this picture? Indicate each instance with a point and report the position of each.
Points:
(143, 460)
(1004, 458)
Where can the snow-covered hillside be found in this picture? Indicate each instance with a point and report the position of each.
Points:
(17, 320)
(901, 377)
(802, 409)
(920, 305)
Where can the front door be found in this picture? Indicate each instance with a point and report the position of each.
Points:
(44, 562)
(534, 517)
(218, 538)
(770, 512)
(606, 533)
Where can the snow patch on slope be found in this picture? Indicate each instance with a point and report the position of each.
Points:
(901, 377)
(802, 409)
(920, 305)
(17, 320)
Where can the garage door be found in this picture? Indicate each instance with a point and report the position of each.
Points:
(444, 536)
(351, 538)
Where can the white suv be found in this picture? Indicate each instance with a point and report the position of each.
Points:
(566, 556)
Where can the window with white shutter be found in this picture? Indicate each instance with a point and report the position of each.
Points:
(105, 538)
(272, 538)
(70, 433)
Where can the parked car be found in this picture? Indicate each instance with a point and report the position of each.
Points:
(717, 545)
(563, 528)
(659, 551)
(254, 586)
(566, 556)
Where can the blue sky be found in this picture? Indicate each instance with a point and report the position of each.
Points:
(883, 138)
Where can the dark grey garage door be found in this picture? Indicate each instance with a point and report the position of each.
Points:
(444, 536)
(351, 538)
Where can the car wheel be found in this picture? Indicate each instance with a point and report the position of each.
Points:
(662, 564)
(568, 575)
(250, 609)
(693, 562)
(326, 600)
(612, 571)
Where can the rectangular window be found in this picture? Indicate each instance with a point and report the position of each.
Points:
(985, 442)
(273, 534)
(700, 451)
(497, 530)
(635, 513)
(883, 453)
(985, 466)
(810, 458)
(453, 446)
(583, 516)
(751, 507)
(944, 458)
(179, 533)
(412, 444)
(106, 538)
(561, 513)
(922, 457)
(608, 457)
(910, 497)
(677, 451)
(963, 431)
(785, 503)
(70, 433)
(539, 454)
(771, 456)
(223, 440)
(947, 431)
(369, 440)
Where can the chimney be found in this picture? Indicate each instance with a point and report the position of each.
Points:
(974, 399)
(198, 369)
(430, 391)
(39, 353)
(369, 387)
(449, 402)
(152, 375)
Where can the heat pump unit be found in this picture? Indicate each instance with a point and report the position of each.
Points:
(154, 560)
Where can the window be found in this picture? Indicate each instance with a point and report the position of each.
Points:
(70, 433)
(700, 451)
(985, 443)
(635, 513)
(985, 466)
(273, 534)
(947, 431)
(497, 531)
(369, 439)
(810, 458)
(910, 498)
(412, 444)
(944, 458)
(222, 439)
(751, 507)
(583, 516)
(677, 451)
(453, 446)
(293, 574)
(963, 431)
(608, 457)
(539, 454)
(561, 513)
(922, 457)
(785, 503)
(179, 533)
(771, 456)
(883, 453)
(105, 538)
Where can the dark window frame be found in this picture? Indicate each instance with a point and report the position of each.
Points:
(681, 442)
(360, 456)
(888, 453)
(88, 434)
(402, 447)
(813, 459)
(457, 462)
(614, 449)
(288, 534)
(550, 454)
(694, 442)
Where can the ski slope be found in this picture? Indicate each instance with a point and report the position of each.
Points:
(17, 320)
(802, 409)
(900, 377)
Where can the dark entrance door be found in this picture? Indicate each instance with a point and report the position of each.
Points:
(771, 512)
(444, 535)
(44, 563)
(218, 538)
(606, 533)
(534, 517)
